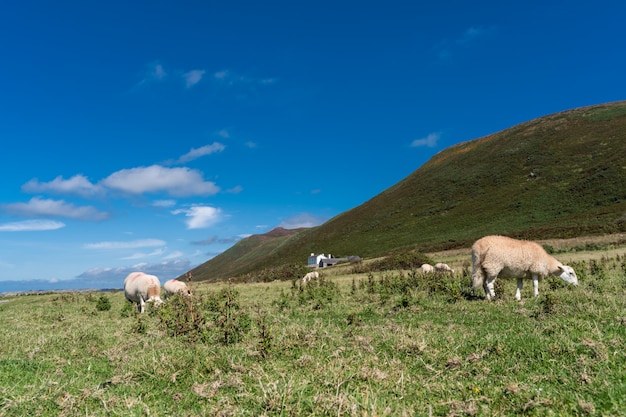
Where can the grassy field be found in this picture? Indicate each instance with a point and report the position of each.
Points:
(357, 344)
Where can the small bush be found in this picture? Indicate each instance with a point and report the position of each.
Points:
(277, 273)
(549, 303)
(232, 322)
(182, 318)
(319, 292)
(140, 326)
(401, 261)
(127, 309)
(103, 303)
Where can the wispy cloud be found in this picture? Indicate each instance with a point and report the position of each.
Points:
(38, 207)
(114, 277)
(232, 79)
(31, 226)
(174, 255)
(235, 190)
(133, 244)
(221, 75)
(164, 203)
(77, 185)
(302, 220)
(430, 140)
(176, 182)
(155, 72)
(142, 255)
(223, 133)
(251, 144)
(200, 217)
(471, 34)
(447, 48)
(196, 153)
(193, 77)
(215, 240)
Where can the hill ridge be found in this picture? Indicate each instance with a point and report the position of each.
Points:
(557, 176)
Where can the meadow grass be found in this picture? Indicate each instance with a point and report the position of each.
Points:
(391, 343)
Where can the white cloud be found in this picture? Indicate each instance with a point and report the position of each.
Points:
(174, 255)
(175, 181)
(447, 48)
(78, 185)
(472, 34)
(133, 244)
(155, 72)
(232, 79)
(141, 255)
(31, 226)
(430, 140)
(235, 190)
(221, 75)
(302, 220)
(196, 153)
(251, 144)
(164, 203)
(223, 133)
(200, 217)
(56, 208)
(114, 277)
(193, 77)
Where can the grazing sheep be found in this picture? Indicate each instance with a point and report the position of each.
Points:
(311, 275)
(173, 286)
(427, 269)
(441, 267)
(141, 288)
(494, 256)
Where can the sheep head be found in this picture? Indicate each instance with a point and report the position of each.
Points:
(568, 275)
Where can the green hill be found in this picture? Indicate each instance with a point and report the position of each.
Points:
(558, 176)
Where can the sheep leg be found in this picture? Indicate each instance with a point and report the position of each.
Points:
(536, 285)
(142, 304)
(518, 293)
(489, 289)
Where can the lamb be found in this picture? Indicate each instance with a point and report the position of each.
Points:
(441, 267)
(427, 269)
(494, 256)
(140, 288)
(173, 286)
(311, 275)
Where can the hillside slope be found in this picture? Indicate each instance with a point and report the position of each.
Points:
(558, 176)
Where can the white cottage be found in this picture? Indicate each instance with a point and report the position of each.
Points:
(317, 261)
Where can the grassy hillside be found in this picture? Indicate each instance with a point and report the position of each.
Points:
(558, 176)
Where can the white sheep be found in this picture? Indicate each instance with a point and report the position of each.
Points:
(427, 269)
(494, 256)
(311, 275)
(441, 267)
(141, 288)
(173, 286)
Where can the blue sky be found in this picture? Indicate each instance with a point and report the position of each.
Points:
(155, 135)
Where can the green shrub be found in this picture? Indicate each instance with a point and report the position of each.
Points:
(278, 273)
(180, 316)
(318, 292)
(401, 261)
(103, 303)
